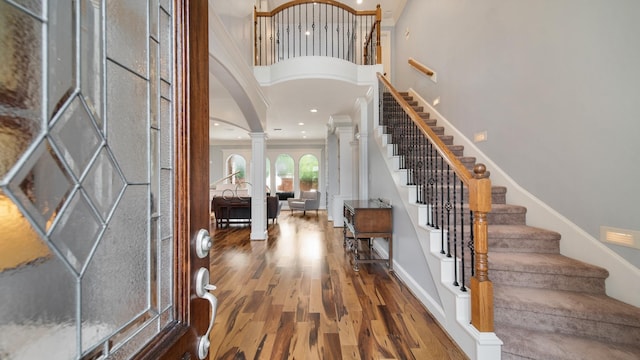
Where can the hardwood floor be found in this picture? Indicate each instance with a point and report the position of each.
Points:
(295, 296)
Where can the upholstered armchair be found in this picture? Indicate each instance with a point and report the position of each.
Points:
(308, 200)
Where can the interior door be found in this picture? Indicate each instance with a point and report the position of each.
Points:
(103, 179)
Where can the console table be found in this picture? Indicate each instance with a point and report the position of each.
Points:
(365, 220)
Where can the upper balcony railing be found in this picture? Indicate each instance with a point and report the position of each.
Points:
(317, 28)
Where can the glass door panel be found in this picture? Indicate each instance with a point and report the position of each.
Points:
(86, 177)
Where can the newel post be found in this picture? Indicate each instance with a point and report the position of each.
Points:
(481, 286)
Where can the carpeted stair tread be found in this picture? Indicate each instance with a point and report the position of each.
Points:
(544, 264)
(522, 231)
(523, 238)
(577, 305)
(522, 343)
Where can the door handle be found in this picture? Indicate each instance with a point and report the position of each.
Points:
(202, 290)
(203, 244)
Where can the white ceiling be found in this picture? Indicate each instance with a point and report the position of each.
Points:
(290, 101)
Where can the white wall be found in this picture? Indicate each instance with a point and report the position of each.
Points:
(555, 85)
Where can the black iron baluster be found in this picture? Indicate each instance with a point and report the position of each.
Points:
(455, 231)
(441, 203)
(299, 31)
(447, 207)
(313, 30)
(462, 275)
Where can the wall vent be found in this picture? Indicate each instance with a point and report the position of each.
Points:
(622, 237)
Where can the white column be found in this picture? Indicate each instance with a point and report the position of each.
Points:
(363, 139)
(345, 136)
(258, 198)
(331, 172)
(355, 156)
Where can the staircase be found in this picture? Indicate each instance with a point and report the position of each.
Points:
(546, 305)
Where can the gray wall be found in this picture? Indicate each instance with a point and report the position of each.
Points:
(555, 83)
(407, 251)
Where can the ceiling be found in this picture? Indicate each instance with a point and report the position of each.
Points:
(289, 117)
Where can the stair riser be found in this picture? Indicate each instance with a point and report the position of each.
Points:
(496, 198)
(399, 121)
(411, 139)
(524, 245)
(603, 331)
(546, 281)
(492, 218)
(439, 130)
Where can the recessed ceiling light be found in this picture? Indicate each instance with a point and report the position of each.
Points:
(304, 137)
(304, 132)
(314, 110)
(307, 32)
(216, 124)
(359, 1)
(300, 123)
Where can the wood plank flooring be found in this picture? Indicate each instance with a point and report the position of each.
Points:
(295, 296)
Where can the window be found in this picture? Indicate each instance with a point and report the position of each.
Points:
(236, 165)
(308, 172)
(267, 181)
(284, 173)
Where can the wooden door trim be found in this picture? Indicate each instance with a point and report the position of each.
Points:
(191, 113)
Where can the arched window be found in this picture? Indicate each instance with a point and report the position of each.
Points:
(284, 173)
(308, 172)
(236, 164)
(267, 182)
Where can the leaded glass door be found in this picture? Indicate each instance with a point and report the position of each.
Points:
(94, 240)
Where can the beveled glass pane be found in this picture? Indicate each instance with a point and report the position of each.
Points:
(38, 311)
(104, 183)
(155, 171)
(166, 317)
(20, 86)
(166, 49)
(154, 84)
(166, 5)
(166, 273)
(115, 284)
(135, 344)
(127, 125)
(20, 244)
(154, 262)
(42, 185)
(127, 36)
(76, 137)
(35, 6)
(165, 90)
(91, 55)
(166, 131)
(166, 201)
(61, 59)
(77, 231)
(154, 8)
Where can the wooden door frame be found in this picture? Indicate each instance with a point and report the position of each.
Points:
(191, 211)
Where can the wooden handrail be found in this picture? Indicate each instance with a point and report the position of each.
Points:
(376, 27)
(479, 202)
(301, 2)
(423, 69)
(443, 150)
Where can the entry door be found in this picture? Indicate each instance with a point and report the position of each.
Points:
(103, 178)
